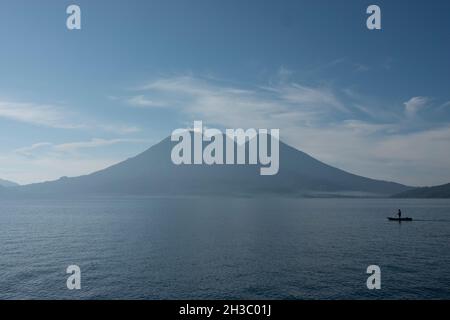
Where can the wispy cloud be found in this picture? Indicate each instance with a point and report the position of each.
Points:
(226, 105)
(41, 115)
(343, 63)
(28, 151)
(117, 128)
(310, 97)
(74, 146)
(94, 143)
(359, 67)
(58, 117)
(415, 104)
(143, 102)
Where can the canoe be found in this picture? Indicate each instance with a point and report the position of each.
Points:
(400, 219)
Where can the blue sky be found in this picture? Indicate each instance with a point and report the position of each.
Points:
(376, 103)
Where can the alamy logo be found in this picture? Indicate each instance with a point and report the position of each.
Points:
(374, 20)
(74, 280)
(73, 21)
(374, 280)
(250, 144)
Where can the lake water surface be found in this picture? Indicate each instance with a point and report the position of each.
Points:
(224, 248)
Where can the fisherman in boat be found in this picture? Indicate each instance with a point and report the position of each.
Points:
(399, 217)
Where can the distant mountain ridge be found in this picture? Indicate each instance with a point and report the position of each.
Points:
(7, 184)
(442, 191)
(153, 173)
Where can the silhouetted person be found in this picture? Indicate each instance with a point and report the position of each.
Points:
(399, 213)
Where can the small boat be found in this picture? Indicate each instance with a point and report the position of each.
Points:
(400, 219)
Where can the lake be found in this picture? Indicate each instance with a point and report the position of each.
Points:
(224, 248)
